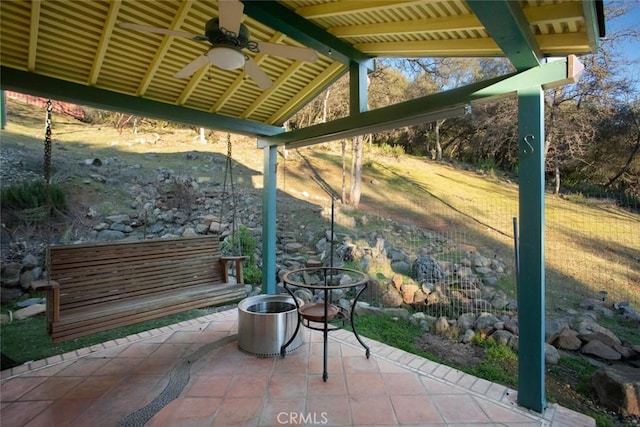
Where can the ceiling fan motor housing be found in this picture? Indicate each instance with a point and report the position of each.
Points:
(221, 36)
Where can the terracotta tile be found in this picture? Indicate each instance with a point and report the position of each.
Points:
(317, 349)
(335, 409)
(359, 364)
(459, 408)
(369, 384)
(139, 349)
(415, 409)
(248, 386)
(334, 365)
(20, 413)
(184, 337)
(156, 366)
(14, 388)
(208, 386)
(61, 413)
(372, 410)
(107, 412)
(291, 364)
(82, 367)
(287, 412)
(500, 414)
(434, 386)
(387, 367)
(196, 407)
(118, 366)
(403, 383)
(287, 386)
(170, 351)
(220, 366)
(53, 388)
(335, 386)
(256, 366)
(241, 412)
(93, 387)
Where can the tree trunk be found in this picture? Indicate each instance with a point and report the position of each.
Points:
(203, 139)
(344, 171)
(356, 170)
(438, 145)
(556, 171)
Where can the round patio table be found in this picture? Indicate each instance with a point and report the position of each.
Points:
(324, 316)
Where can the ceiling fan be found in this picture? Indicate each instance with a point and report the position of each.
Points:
(228, 37)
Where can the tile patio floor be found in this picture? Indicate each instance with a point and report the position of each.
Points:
(108, 384)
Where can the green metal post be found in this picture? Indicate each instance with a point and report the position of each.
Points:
(3, 109)
(531, 280)
(269, 220)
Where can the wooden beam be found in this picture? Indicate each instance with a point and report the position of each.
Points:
(33, 34)
(105, 38)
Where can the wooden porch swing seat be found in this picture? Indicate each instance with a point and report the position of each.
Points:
(102, 286)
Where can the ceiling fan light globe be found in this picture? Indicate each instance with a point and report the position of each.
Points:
(226, 58)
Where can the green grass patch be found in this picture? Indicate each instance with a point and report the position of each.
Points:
(27, 340)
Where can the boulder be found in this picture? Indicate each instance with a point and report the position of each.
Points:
(551, 355)
(566, 339)
(427, 268)
(618, 388)
(599, 349)
(391, 298)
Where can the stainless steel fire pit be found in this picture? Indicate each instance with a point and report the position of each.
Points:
(265, 323)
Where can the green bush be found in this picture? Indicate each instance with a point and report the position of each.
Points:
(28, 200)
(243, 243)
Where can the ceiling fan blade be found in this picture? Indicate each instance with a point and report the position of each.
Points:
(192, 67)
(291, 52)
(156, 30)
(255, 72)
(230, 14)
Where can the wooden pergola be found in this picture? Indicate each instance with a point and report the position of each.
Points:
(77, 51)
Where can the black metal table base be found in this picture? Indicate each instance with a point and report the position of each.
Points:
(326, 324)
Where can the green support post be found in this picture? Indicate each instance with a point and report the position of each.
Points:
(3, 109)
(269, 220)
(531, 280)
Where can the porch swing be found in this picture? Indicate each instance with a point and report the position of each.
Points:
(96, 287)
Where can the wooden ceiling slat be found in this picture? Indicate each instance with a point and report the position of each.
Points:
(433, 25)
(105, 39)
(33, 34)
(163, 48)
(338, 8)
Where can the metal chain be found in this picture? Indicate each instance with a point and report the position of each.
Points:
(47, 146)
(47, 188)
(229, 171)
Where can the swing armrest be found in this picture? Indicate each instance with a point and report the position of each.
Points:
(238, 260)
(44, 285)
(53, 299)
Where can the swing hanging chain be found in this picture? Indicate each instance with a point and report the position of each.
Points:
(47, 145)
(47, 188)
(229, 171)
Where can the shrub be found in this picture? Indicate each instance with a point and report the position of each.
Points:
(243, 243)
(28, 200)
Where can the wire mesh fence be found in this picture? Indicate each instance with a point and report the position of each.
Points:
(592, 249)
